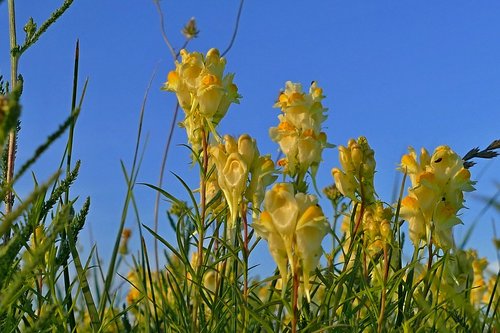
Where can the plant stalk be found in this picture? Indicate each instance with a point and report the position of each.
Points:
(11, 154)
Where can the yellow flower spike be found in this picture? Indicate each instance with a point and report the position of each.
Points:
(299, 130)
(438, 183)
(203, 92)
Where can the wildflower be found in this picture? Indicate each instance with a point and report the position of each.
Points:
(355, 179)
(375, 225)
(294, 226)
(436, 195)
(235, 162)
(299, 131)
(203, 91)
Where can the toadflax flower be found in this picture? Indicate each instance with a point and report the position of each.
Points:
(203, 91)
(435, 195)
(241, 172)
(299, 132)
(293, 226)
(355, 179)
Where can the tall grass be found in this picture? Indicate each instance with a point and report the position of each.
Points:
(364, 283)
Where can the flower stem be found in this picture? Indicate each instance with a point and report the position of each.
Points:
(246, 254)
(295, 295)
(201, 226)
(383, 295)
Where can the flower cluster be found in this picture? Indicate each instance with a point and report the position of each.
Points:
(293, 226)
(355, 180)
(235, 161)
(299, 132)
(436, 194)
(375, 225)
(203, 91)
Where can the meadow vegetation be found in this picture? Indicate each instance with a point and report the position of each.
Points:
(360, 282)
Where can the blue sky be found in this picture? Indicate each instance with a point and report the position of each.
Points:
(398, 72)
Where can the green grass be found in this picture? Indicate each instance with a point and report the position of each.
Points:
(207, 283)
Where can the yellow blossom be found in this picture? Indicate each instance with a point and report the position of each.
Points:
(435, 195)
(236, 161)
(203, 91)
(294, 226)
(355, 179)
(299, 130)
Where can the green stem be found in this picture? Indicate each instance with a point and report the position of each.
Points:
(11, 154)
(295, 295)
(67, 280)
(201, 226)
(384, 286)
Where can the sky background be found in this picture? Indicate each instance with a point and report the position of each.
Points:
(401, 73)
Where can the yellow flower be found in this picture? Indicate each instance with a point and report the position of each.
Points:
(203, 91)
(294, 226)
(355, 179)
(435, 195)
(265, 228)
(299, 130)
(311, 229)
(235, 161)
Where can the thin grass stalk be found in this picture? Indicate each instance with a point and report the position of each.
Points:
(67, 282)
(246, 255)
(11, 154)
(490, 303)
(401, 297)
(130, 187)
(160, 181)
(84, 286)
(144, 254)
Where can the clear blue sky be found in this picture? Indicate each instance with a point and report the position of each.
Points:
(399, 72)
